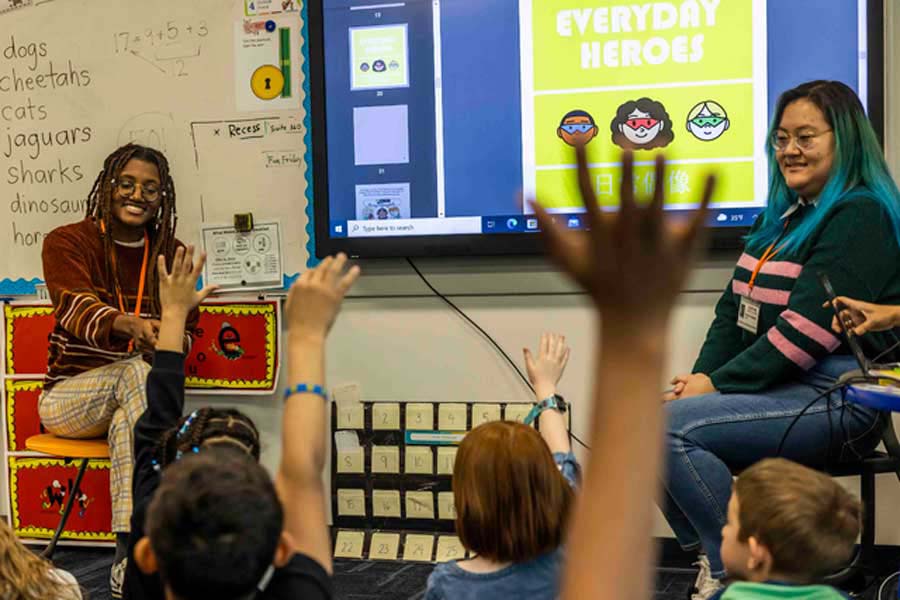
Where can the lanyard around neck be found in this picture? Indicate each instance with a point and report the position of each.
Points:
(139, 301)
(768, 255)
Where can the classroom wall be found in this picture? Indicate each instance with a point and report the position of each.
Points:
(400, 343)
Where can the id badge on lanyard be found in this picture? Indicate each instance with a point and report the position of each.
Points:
(748, 315)
(748, 310)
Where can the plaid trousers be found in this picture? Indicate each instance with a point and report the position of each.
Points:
(106, 401)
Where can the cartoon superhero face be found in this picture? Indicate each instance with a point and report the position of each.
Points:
(641, 124)
(640, 128)
(707, 121)
(577, 128)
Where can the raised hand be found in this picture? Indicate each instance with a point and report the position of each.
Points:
(545, 370)
(634, 262)
(316, 296)
(178, 288)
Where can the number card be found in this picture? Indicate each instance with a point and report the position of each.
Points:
(419, 505)
(452, 417)
(420, 416)
(449, 548)
(350, 461)
(446, 460)
(351, 503)
(482, 413)
(386, 415)
(349, 416)
(386, 503)
(349, 544)
(419, 459)
(384, 546)
(517, 412)
(418, 547)
(385, 459)
(446, 507)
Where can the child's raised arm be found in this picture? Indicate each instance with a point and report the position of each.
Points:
(165, 384)
(544, 372)
(633, 265)
(312, 305)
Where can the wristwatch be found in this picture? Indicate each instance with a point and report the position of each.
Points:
(555, 402)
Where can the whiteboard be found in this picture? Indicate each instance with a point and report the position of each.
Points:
(78, 78)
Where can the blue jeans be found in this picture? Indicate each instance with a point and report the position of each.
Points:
(710, 436)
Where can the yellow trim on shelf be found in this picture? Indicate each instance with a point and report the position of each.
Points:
(13, 386)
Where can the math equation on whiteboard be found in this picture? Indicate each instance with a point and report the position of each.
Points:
(169, 46)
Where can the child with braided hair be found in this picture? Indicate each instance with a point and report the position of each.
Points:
(208, 521)
(103, 282)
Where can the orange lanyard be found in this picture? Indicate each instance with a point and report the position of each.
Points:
(768, 255)
(140, 294)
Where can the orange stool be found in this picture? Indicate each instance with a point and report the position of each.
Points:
(68, 450)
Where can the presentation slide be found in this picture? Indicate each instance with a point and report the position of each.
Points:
(443, 115)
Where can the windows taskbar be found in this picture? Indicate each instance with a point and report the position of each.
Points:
(502, 224)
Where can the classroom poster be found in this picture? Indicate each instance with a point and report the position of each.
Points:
(687, 79)
(235, 348)
(267, 62)
(39, 488)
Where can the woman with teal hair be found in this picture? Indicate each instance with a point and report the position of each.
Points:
(770, 351)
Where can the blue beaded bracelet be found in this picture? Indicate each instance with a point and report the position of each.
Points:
(305, 388)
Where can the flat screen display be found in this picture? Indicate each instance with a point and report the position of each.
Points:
(434, 120)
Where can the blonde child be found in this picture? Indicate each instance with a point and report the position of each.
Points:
(25, 576)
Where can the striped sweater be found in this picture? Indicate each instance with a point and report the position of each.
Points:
(855, 246)
(75, 272)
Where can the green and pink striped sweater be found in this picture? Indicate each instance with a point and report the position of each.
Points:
(855, 246)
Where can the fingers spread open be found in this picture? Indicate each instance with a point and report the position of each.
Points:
(161, 266)
(187, 265)
(349, 278)
(560, 246)
(336, 268)
(691, 235)
(198, 266)
(584, 184)
(659, 188)
(320, 272)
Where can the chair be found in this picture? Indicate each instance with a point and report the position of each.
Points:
(68, 450)
(875, 464)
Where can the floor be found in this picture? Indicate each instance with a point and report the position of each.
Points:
(354, 580)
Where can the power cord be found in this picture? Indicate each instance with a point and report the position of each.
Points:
(486, 335)
(838, 386)
(884, 585)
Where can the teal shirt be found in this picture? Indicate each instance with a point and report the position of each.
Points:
(855, 246)
(778, 591)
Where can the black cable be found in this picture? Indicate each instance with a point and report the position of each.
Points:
(486, 335)
(827, 392)
(890, 349)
